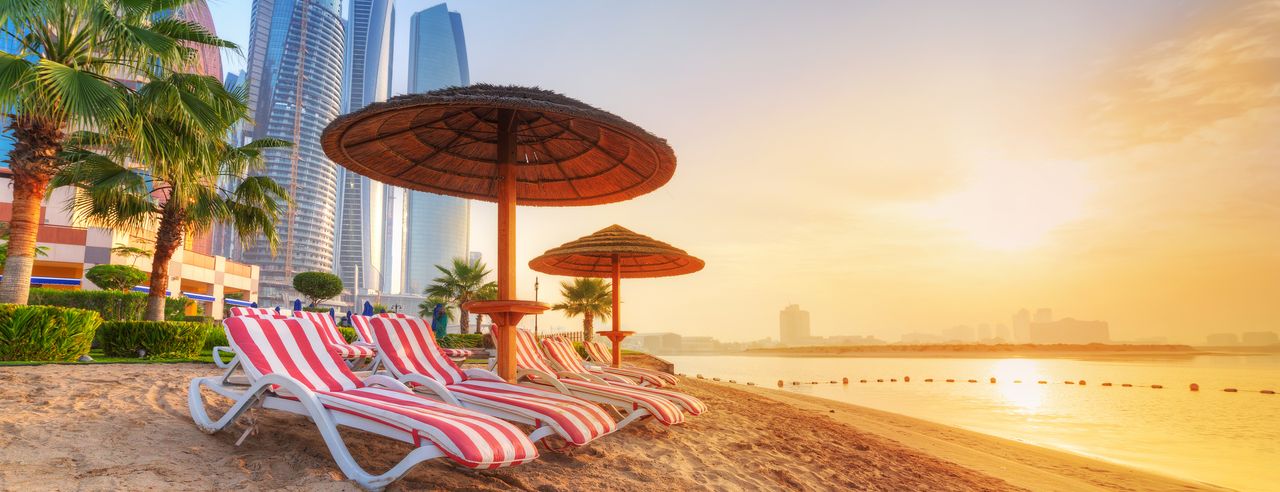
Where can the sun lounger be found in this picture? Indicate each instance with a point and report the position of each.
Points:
(329, 333)
(408, 351)
(251, 311)
(566, 357)
(602, 361)
(291, 368)
(534, 371)
(456, 354)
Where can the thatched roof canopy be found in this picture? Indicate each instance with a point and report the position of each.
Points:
(639, 256)
(445, 141)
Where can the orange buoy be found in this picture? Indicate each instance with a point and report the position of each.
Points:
(1106, 384)
(846, 380)
(832, 381)
(893, 380)
(930, 380)
(993, 380)
(879, 380)
(951, 380)
(973, 380)
(795, 383)
(780, 383)
(715, 379)
(1042, 382)
(749, 383)
(1268, 392)
(1230, 390)
(1127, 385)
(1081, 383)
(1156, 386)
(862, 380)
(1195, 387)
(906, 379)
(1068, 382)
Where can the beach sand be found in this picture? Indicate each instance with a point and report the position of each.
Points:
(114, 427)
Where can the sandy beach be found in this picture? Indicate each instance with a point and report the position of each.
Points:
(111, 427)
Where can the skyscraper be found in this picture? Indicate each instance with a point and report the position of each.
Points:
(208, 61)
(793, 325)
(8, 44)
(360, 247)
(438, 227)
(295, 88)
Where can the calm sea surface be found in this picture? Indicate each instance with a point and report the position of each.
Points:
(1227, 439)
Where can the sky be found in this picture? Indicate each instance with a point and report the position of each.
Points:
(898, 167)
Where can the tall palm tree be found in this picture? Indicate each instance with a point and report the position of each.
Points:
(65, 76)
(186, 177)
(589, 298)
(460, 284)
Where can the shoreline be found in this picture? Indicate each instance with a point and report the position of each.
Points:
(1020, 464)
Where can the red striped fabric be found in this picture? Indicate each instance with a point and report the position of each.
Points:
(408, 349)
(663, 409)
(363, 329)
(329, 331)
(598, 353)
(252, 311)
(293, 348)
(564, 354)
(528, 355)
(634, 374)
(395, 315)
(456, 353)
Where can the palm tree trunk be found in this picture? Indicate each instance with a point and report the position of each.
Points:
(587, 328)
(168, 240)
(478, 322)
(33, 161)
(463, 321)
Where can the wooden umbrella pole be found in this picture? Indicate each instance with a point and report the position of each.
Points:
(617, 312)
(505, 335)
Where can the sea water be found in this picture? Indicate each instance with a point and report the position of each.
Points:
(1226, 439)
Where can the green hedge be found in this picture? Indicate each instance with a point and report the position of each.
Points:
(348, 333)
(44, 333)
(157, 339)
(455, 340)
(215, 336)
(111, 305)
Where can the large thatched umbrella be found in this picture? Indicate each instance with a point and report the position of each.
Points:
(616, 252)
(507, 145)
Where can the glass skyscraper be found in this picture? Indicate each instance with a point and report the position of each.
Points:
(8, 44)
(361, 245)
(295, 64)
(438, 227)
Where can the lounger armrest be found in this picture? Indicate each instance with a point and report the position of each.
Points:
(386, 382)
(217, 356)
(614, 378)
(579, 376)
(431, 386)
(544, 378)
(476, 373)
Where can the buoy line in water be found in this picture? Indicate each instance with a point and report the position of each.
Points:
(907, 379)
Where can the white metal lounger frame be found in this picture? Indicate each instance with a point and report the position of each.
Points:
(260, 394)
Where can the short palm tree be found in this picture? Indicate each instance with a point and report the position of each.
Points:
(427, 308)
(186, 177)
(587, 297)
(461, 283)
(66, 75)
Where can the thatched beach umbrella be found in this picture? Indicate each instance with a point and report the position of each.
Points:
(616, 252)
(507, 145)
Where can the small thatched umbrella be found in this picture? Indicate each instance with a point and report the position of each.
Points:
(507, 145)
(616, 252)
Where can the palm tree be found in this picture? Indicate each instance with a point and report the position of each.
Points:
(187, 175)
(427, 308)
(588, 297)
(131, 252)
(460, 284)
(66, 75)
(488, 292)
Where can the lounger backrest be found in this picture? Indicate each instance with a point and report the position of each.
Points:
(364, 330)
(324, 324)
(395, 315)
(251, 311)
(528, 355)
(408, 347)
(291, 347)
(598, 353)
(563, 353)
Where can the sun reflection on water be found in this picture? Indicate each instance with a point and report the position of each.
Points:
(1026, 396)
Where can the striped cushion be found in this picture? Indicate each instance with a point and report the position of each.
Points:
(329, 331)
(565, 355)
(292, 347)
(662, 409)
(456, 353)
(409, 348)
(470, 438)
(598, 354)
(528, 355)
(252, 311)
(395, 315)
(639, 375)
(364, 330)
(575, 420)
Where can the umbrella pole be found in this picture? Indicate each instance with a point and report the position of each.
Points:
(617, 312)
(504, 332)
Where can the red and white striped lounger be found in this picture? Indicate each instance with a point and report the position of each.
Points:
(330, 334)
(566, 357)
(407, 350)
(291, 368)
(534, 371)
(602, 361)
(252, 311)
(456, 354)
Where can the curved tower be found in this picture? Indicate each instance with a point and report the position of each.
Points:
(295, 87)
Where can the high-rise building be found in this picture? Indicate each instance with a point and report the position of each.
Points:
(8, 44)
(1043, 315)
(793, 325)
(208, 61)
(295, 88)
(438, 226)
(361, 241)
(1021, 322)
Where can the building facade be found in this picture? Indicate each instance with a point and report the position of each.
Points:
(295, 62)
(793, 326)
(437, 227)
(362, 202)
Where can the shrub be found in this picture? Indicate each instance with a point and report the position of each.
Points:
(45, 333)
(153, 339)
(315, 309)
(215, 336)
(111, 305)
(455, 340)
(348, 333)
(317, 286)
(115, 277)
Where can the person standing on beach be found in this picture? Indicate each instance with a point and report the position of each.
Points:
(439, 321)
